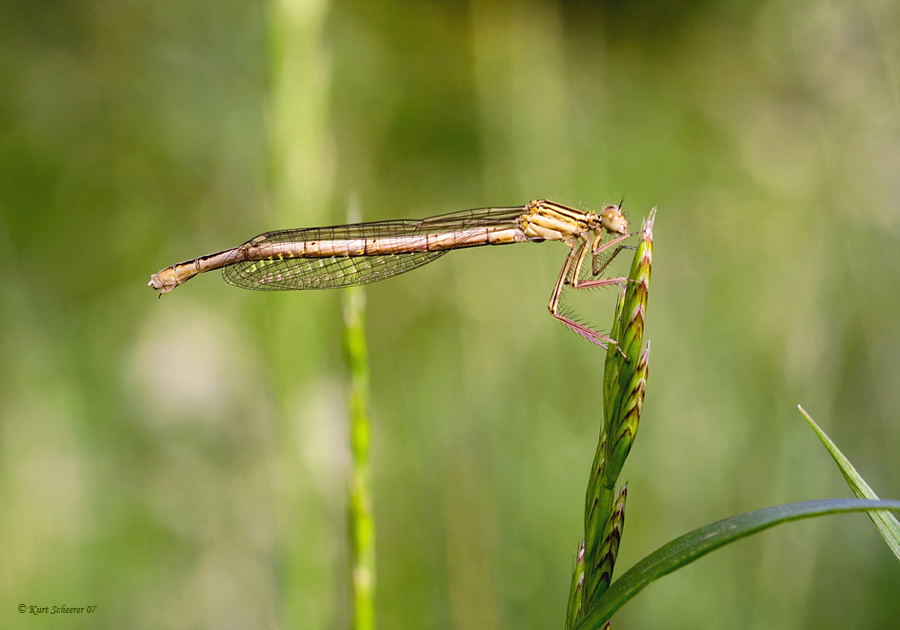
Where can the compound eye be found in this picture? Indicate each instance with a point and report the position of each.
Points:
(613, 220)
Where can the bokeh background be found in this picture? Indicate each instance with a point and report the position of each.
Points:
(182, 462)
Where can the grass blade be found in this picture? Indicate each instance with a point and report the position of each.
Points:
(691, 546)
(885, 522)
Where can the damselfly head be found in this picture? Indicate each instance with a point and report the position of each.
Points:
(613, 220)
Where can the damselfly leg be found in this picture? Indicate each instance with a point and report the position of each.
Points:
(570, 275)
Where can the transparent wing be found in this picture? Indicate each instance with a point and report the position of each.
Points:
(278, 274)
(322, 273)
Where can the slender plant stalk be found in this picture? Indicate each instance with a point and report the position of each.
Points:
(624, 384)
(362, 522)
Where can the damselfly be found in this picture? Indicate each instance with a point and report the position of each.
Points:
(347, 255)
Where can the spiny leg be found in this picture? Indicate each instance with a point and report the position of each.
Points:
(588, 333)
(596, 250)
(597, 267)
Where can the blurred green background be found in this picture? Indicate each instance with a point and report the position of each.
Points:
(182, 462)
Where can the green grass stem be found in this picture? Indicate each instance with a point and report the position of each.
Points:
(361, 519)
